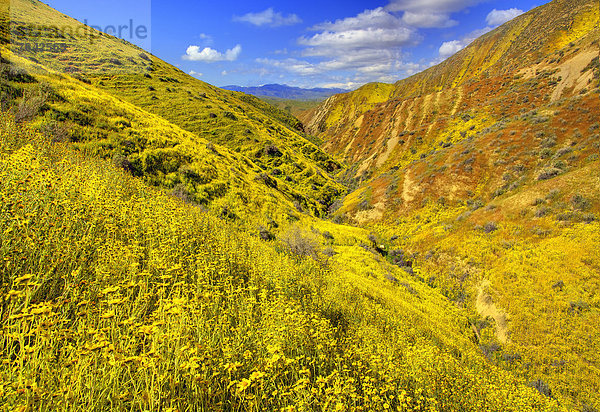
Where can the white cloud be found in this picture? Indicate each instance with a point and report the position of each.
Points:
(367, 19)
(449, 48)
(440, 6)
(429, 13)
(224, 73)
(210, 55)
(369, 61)
(369, 42)
(362, 71)
(367, 47)
(349, 85)
(428, 20)
(370, 46)
(498, 17)
(323, 44)
(196, 74)
(269, 17)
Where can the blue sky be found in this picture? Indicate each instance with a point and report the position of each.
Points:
(308, 43)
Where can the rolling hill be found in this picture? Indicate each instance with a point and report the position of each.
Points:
(424, 246)
(107, 93)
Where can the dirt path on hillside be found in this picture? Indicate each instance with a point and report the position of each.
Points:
(570, 72)
(408, 124)
(486, 307)
(391, 145)
(407, 188)
(425, 108)
(458, 100)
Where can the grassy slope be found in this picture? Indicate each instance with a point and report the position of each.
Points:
(459, 150)
(379, 335)
(163, 306)
(160, 152)
(269, 138)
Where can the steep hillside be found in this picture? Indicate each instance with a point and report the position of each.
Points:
(522, 43)
(90, 89)
(484, 169)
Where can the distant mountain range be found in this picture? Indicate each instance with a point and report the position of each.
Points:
(283, 91)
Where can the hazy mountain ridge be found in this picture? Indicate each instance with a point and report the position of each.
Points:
(283, 91)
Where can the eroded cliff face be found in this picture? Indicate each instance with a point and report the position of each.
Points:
(479, 123)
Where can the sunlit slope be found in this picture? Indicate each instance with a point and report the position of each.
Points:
(522, 43)
(150, 147)
(506, 222)
(160, 305)
(484, 169)
(518, 101)
(528, 260)
(270, 139)
(474, 288)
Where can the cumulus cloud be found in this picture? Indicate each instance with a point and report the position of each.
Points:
(195, 73)
(328, 43)
(210, 55)
(450, 48)
(499, 17)
(429, 13)
(369, 42)
(368, 47)
(441, 6)
(367, 19)
(269, 18)
(428, 20)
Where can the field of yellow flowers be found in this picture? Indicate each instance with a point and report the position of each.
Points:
(114, 295)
